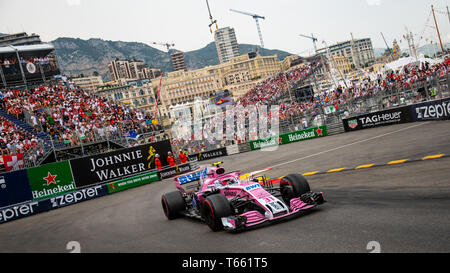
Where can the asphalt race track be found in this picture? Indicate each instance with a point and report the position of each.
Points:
(405, 207)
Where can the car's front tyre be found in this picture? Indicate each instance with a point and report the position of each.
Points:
(293, 186)
(173, 204)
(214, 208)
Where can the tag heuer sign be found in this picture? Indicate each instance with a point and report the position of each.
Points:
(51, 180)
(380, 118)
(353, 123)
(31, 68)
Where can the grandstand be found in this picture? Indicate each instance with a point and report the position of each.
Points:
(27, 64)
(394, 88)
(47, 119)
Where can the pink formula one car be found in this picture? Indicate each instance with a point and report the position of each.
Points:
(227, 201)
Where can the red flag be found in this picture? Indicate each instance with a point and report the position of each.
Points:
(13, 162)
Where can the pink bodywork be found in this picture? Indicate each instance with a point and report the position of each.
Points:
(257, 193)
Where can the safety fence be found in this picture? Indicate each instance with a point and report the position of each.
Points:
(58, 147)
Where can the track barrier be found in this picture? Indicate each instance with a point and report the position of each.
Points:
(28, 192)
(426, 111)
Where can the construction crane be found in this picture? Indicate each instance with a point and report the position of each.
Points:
(256, 17)
(211, 18)
(388, 48)
(164, 44)
(314, 40)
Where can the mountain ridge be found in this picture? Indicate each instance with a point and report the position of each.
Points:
(77, 56)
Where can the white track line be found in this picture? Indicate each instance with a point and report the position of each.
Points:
(350, 144)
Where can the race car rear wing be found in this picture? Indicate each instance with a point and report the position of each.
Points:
(190, 182)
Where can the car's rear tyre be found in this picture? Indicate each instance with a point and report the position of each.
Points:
(173, 204)
(293, 186)
(214, 208)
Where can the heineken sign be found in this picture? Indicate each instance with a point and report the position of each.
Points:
(261, 144)
(296, 136)
(50, 180)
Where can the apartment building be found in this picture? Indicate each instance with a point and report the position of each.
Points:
(179, 89)
(88, 83)
(359, 52)
(178, 62)
(226, 44)
(242, 73)
(124, 70)
(137, 94)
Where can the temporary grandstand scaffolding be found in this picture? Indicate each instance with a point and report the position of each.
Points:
(26, 65)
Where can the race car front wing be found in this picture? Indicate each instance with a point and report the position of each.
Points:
(254, 218)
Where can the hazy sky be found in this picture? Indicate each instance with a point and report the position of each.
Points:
(185, 22)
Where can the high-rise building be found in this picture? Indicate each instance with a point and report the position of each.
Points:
(151, 73)
(178, 60)
(131, 70)
(226, 44)
(136, 68)
(119, 70)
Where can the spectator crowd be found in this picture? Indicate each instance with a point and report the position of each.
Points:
(270, 91)
(73, 116)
